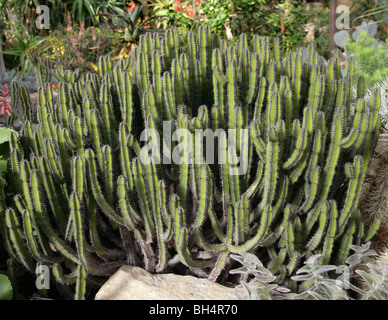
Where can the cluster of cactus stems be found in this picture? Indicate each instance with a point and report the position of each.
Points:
(88, 199)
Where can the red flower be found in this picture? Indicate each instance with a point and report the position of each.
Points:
(94, 37)
(189, 11)
(177, 6)
(198, 1)
(131, 6)
(5, 109)
(146, 23)
(69, 22)
(4, 91)
(5, 106)
(282, 26)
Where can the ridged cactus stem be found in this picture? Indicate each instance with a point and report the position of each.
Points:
(78, 229)
(144, 201)
(286, 119)
(44, 223)
(16, 238)
(97, 194)
(80, 286)
(232, 94)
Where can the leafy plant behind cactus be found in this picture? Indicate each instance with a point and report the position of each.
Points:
(89, 197)
(371, 58)
(6, 291)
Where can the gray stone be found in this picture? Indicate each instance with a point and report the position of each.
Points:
(370, 27)
(341, 38)
(134, 283)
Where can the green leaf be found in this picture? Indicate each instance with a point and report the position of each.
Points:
(3, 166)
(4, 134)
(6, 292)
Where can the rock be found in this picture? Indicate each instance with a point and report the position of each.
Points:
(134, 283)
(310, 29)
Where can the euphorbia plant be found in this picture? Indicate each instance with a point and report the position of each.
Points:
(125, 149)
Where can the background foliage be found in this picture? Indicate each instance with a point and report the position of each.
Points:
(371, 58)
(229, 18)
